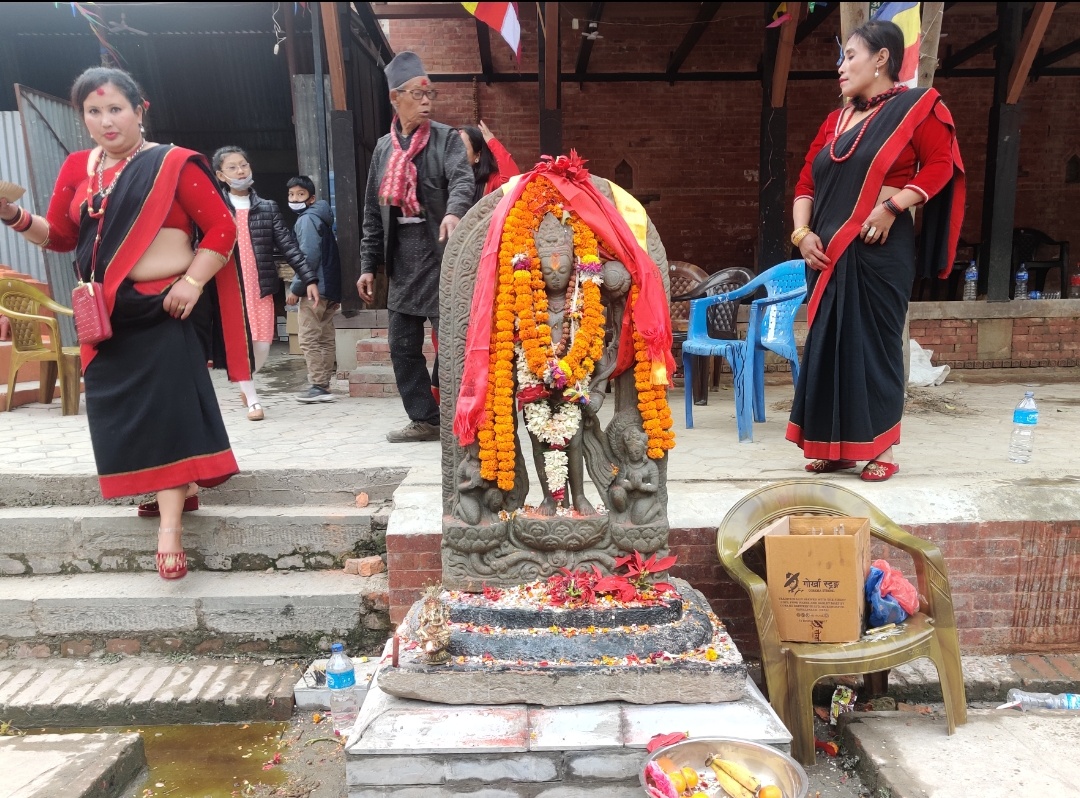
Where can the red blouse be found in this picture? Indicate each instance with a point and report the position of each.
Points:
(506, 168)
(925, 165)
(197, 202)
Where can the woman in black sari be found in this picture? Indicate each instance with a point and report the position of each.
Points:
(889, 149)
(131, 210)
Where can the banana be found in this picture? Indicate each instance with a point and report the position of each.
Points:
(736, 780)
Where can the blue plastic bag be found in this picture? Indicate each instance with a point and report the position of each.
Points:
(883, 609)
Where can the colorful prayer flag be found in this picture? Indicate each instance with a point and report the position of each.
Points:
(907, 18)
(502, 17)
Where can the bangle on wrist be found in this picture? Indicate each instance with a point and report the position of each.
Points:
(14, 220)
(26, 221)
(187, 278)
(892, 207)
(799, 234)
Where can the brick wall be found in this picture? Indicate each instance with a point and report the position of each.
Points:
(693, 146)
(1014, 584)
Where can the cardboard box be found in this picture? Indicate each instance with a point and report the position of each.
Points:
(816, 567)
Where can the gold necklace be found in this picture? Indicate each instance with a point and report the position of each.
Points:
(103, 190)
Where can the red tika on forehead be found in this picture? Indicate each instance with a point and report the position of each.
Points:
(100, 90)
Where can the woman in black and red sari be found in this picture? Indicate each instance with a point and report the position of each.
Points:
(889, 149)
(131, 209)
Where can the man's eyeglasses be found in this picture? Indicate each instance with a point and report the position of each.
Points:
(419, 94)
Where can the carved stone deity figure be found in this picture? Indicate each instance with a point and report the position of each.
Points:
(555, 249)
(541, 318)
(433, 628)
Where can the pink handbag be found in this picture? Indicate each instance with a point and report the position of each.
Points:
(92, 322)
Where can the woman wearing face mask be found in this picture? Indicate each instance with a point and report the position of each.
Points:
(261, 231)
(887, 150)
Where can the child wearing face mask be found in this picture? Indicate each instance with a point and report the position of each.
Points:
(314, 231)
(261, 233)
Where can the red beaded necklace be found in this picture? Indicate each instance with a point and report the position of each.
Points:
(877, 102)
(102, 189)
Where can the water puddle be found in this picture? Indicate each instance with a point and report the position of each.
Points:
(228, 760)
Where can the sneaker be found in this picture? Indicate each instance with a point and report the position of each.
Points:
(315, 394)
(414, 431)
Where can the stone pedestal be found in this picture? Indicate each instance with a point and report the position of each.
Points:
(406, 747)
(674, 651)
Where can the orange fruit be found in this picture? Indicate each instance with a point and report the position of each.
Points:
(678, 781)
(666, 764)
(770, 791)
(690, 776)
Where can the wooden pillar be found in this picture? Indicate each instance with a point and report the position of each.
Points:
(932, 14)
(773, 245)
(548, 70)
(852, 15)
(1002, 162)
(322, 181)
(334, 56)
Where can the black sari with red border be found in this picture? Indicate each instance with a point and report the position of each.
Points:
(154, 418)
(850, 396)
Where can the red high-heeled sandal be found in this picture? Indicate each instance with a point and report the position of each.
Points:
(150, 509)
(172, 564)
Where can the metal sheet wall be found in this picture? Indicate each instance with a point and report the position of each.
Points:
(52, 131)
(15, 251)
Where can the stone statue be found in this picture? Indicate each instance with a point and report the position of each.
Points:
(433, 627)
(555, 248)
(518, 304)
(478, 501)
(633, 492)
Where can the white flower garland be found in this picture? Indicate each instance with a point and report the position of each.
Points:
(556, 467)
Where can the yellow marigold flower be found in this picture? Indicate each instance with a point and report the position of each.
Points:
(656, 454)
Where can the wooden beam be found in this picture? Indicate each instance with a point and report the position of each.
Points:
(483, 41)
(419, 10)
(697, 28)
(977, 47)
(1029, 48)
(374, 31)
(551, 56)
(782, 64)
(852, 15)
(334, 57)
(932, 14)
(813, 21)
(596, 10)
(1072, 48)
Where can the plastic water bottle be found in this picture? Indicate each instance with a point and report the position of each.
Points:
(1025, 417)
(1028, 701)
(341, 679)
(1021, 291)
(971, 281)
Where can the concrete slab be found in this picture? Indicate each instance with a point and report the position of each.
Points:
(402, 746)
(311, 692)
(74, 693)
(70, 765)
(997, 754)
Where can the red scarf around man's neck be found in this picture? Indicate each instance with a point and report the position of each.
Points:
(398, 185)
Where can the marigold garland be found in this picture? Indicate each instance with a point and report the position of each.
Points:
(652, 399)
(522, 321)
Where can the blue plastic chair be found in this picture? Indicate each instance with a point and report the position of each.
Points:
(771, 327)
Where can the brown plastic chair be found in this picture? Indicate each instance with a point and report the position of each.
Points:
(21, 303)
(684, 278)
(792, 669)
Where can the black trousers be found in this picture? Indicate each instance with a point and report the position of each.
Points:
(414, 383)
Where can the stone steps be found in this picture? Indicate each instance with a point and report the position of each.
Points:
(150, 689)
(266, 487)
(71, 765)
(295, 613)
(90, 538)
